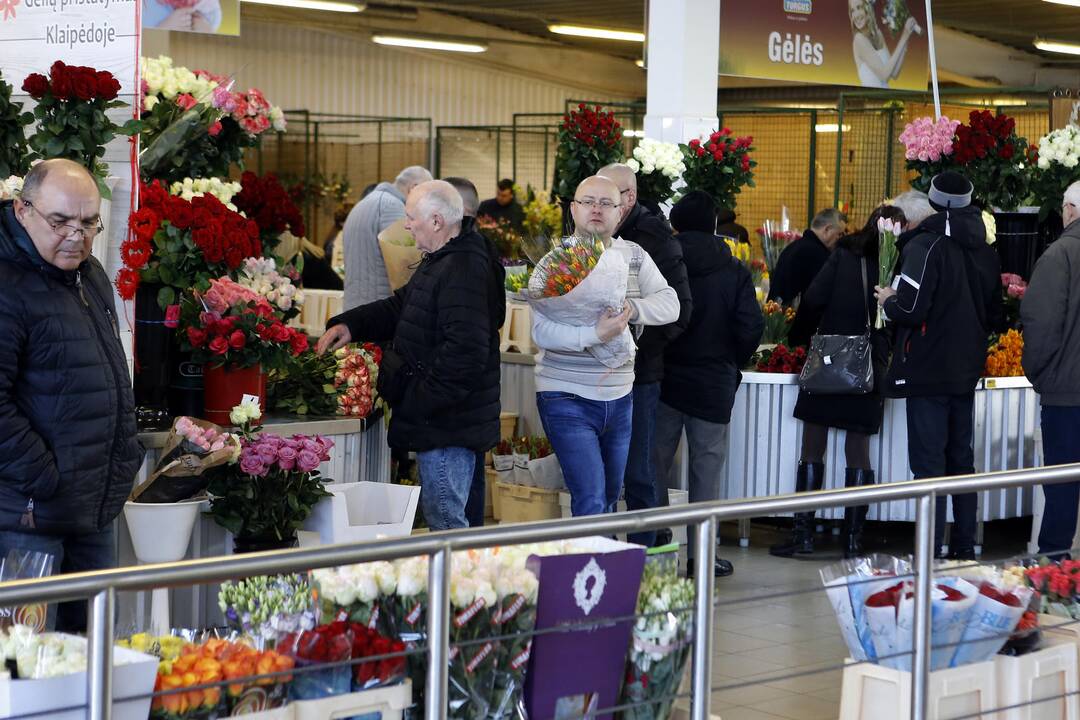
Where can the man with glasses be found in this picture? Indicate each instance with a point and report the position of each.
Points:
(1051, 316)
(652, 232)
(68, 446)
(585, 406)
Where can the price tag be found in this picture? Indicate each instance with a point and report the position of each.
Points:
(252, 399)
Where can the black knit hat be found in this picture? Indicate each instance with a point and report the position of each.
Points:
(695, 211)
(950, 190)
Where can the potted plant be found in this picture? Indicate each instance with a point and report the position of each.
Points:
(72, 119)
(719, 165)
(237, 335)
(265, 498)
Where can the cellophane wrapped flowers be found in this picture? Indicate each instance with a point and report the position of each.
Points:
(266, 606)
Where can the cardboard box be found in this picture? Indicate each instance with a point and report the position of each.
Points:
(361, 511)
(134, 677)
(521, 503)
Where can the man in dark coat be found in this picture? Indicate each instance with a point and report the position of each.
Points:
(654, 235)
(727, 227)
(701, 366)
(802, 260)
(441, 374)
(69, 450)
(504, 206)
(947, 300)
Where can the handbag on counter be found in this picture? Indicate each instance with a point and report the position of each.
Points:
(840, 364)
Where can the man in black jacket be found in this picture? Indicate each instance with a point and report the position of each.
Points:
(441, 374)
(802, 260)
(701, 366)
(69, 450)
(654, 235)
(946, 302)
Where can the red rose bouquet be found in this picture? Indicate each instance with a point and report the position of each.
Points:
(381, 671)
(266, 201)
(990, 154)
(233, 325)
(720, 165)
(589, 139)
(182, 244)
(324, 645)
(782, 359)
(72, 119)
(339, 383)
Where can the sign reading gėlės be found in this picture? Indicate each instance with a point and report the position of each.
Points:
(868, 43)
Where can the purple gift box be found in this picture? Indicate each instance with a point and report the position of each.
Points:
(581, 670)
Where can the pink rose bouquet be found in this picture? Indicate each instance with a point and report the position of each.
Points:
(928, 148)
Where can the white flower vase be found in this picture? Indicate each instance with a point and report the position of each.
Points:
(100, 249)
(160, 533)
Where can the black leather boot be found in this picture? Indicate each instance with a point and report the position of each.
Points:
(808, 478)
(855, 517)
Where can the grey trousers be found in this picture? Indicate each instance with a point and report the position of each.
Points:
(707, 448)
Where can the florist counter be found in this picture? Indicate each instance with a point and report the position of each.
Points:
(360, 453)
(765, 441)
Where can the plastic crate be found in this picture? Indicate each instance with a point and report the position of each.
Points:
(361, 511)
(388, 703)
(1043, 674)
(875, 692)
(521, 503)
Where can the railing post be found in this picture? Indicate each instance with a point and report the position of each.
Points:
(438, 635)
(924, 580)
(704, 559)
(99, 658)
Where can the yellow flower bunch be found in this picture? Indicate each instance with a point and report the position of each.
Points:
(739, 251)
(1004, 357)
(542, 218)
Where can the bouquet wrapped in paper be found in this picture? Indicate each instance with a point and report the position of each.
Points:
(193, 447)
(578, 282)
(848, 584)
(890, 614)
(775, 236)
(400, 254)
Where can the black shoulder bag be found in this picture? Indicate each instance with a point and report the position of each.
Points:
(840, 364)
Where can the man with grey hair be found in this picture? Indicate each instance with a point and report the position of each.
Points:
(916, 207)
(1050, 312)
(470, 199)
(366, 279)
(802, 260)
(440, 374)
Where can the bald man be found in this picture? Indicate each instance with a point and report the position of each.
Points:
(586, 406)
(644, 489)
(68, 446)
(441, 372)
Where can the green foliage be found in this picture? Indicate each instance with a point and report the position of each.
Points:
(14, 157)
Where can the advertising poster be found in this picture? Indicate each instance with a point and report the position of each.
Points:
(217, 17)
(867, 43)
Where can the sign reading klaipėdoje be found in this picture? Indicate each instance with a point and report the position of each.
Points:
(102, 34)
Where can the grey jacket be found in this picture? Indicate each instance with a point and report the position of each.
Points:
(1051, 316)
(365, 272)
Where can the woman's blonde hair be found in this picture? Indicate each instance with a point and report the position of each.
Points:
(872, 32)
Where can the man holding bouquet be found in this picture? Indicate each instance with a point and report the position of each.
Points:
(585, 368)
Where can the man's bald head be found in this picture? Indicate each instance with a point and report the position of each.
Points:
(61, 170)
(596, 207)
(625, 178)
(60, 209)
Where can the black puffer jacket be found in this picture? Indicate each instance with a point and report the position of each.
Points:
(796, 268)
(701, 372)
(726, 226)
(68, 440)
(445, 326)
(654, 235)
(948, 300)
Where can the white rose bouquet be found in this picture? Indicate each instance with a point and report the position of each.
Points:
(658, 166)
(189, 188)
(1059, 155)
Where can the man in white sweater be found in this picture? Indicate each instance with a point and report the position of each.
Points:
(585, 406)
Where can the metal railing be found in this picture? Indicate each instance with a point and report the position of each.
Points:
(100, 587)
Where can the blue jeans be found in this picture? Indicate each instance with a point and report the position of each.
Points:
(446, 474)
(640, 480)
(474, 508)
(1061, 446)
(591, 438)
(71, 554)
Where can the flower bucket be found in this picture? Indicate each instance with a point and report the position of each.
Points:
(154, 347)
(224, 388)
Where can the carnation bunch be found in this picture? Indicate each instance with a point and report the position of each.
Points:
(72, 120)
(190, 188)
(658, 165)
(338, 383)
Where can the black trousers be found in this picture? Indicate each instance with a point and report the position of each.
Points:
(940, 434)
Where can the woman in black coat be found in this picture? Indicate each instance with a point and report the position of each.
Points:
(838, 302)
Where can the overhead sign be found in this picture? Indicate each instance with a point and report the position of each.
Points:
(868, 43)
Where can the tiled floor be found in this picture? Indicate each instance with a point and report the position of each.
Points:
(766, 630)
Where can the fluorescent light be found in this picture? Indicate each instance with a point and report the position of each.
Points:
(427, 44)
(1004, 102)
(1073, 3)
(1057, 47)
(313, 5)
(830, 128)
(634, 133)
(640, 63)
(599, 33)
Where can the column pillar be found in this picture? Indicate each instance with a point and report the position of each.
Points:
(683, 58)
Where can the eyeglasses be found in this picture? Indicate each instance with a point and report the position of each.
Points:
(602, 204)
(68, 231)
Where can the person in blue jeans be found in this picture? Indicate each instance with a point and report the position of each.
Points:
(440, 374)
(1050, 313)
(586, 408)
